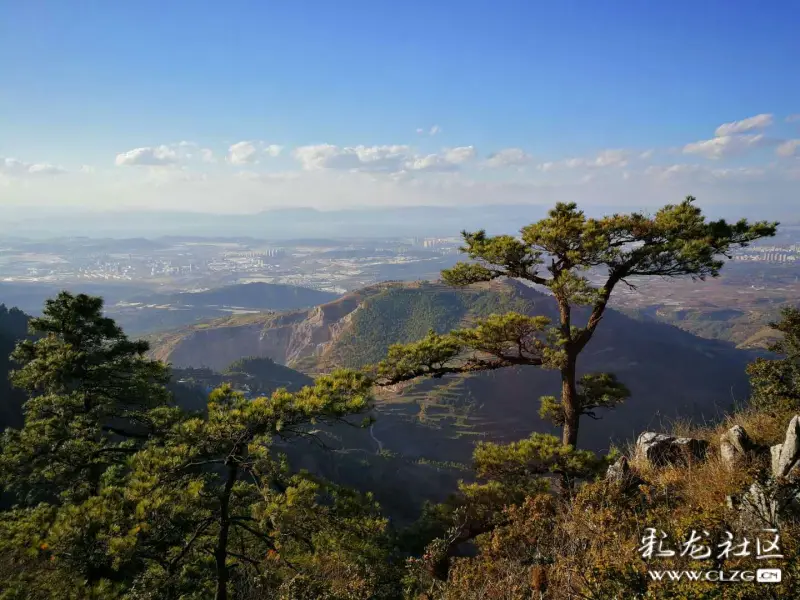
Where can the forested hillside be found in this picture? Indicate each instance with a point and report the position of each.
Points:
(159, 524)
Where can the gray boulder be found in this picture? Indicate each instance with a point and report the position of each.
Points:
(775, 498)
(620, 472)
(786, 456)
(734, 446)
(660, 449)
(761, 505)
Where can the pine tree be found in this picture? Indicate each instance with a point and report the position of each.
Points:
(214, 508)
(557, 253)
(95, 399)
(775, 383)
(91, 394)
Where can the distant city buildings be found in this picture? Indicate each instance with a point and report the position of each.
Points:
(770, 254)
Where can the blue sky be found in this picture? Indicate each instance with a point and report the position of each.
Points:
(329, 97)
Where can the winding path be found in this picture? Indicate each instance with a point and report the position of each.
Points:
(377, 441)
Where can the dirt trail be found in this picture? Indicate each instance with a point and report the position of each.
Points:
(377, 441)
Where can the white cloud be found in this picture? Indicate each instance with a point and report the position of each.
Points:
(207, 155)
(390, 159)
(356, 158)
(729, 145)
(14, 167)
(431, 162)
(248, 153)
(509, 157)
(434, 130)
(88, 169)
(460, 154)
(788, 148)
(749, 124)
(157, 156)
(243, 153)
(340, 175)
(45, 169)
(606, 158)
(793, 118)
(610, 158)
(165, 155)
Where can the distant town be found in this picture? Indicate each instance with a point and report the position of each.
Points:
(335, 266)
(772, 254)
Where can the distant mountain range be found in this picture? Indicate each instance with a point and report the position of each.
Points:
(441, 419)
(259, 296)
(281, 224)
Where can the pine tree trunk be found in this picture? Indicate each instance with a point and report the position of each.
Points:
(221, 551)
(569, 394)
(569, 400)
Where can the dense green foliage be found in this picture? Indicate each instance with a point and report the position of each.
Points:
(120, 494)
(164, 504)
(400, 314)
(90, 390)
(776, 382)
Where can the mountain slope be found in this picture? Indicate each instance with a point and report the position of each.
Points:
(671, 373)
(352, 331)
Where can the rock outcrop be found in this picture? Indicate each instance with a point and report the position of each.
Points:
(735, 446)
(620, 473)
(786, 456)
(659, 449)
(770, 499)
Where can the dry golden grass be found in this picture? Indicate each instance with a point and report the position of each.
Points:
(702, 488)
(767, 428)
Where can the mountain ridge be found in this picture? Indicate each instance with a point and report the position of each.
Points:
(357, 329)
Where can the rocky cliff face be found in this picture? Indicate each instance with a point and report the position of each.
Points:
(285, 338)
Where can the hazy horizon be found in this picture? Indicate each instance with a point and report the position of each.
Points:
(308, 222)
